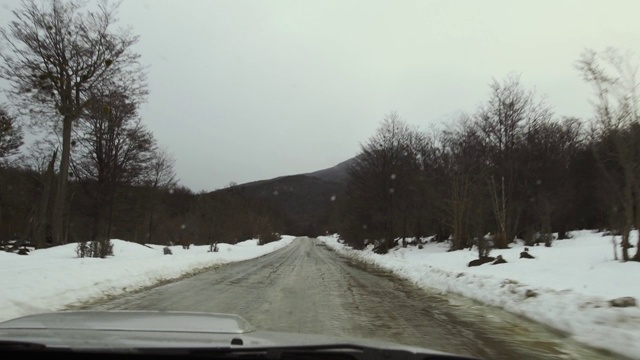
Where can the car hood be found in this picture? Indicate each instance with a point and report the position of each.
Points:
(162, 329)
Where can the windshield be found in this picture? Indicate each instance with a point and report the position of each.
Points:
(456, 176)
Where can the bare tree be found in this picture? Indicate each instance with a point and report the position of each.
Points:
(112, 148)
(55, 54)
(548, 151)
(503, 122)
(10, 141)
(613, 77)
(466, 170)
(384, 181)
(160, 172)
(159, 175)
(10, 135)
(38, 155)
(39, 162)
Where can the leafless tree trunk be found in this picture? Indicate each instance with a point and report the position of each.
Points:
(460, 204)
(59, 203)
(42, 220)
(500, 211)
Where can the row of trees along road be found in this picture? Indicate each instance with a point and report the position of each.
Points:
(98, 172)
(511, 169)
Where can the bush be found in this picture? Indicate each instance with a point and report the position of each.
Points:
(268, 237)
(213, 247)
(484, 245)
(562, 235)
(167, 250)
(381, 248)
(96, 249)
(547, 239)
(614, 232)
(82, 249)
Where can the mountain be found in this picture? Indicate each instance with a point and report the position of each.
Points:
(304, 200)
(338, 173)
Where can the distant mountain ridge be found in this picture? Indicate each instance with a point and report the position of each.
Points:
(304, 200)
(338, 173)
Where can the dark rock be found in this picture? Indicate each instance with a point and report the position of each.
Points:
(478, 262)
(530, 293)
(626, 301)
(23, 251)
(499, 260)
(526, 255)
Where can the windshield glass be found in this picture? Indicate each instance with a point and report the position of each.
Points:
(458, 176)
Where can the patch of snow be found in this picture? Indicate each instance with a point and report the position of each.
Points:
(574, 281)
(52, 279)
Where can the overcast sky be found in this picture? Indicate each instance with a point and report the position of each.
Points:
(250, 90)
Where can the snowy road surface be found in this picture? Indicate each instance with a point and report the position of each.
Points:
(308, 288)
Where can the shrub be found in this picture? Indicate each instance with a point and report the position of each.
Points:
(562, 235)
(381, 248)
(96, 249)
(484, 245)
(614, 232)
(82, 249)
(213, 247)
(167, 250)
(547, 239)
(268, 237)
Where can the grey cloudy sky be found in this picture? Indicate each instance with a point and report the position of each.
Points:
(249, 90)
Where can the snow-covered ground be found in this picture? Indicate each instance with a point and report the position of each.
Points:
(573, 282)
(52, 279)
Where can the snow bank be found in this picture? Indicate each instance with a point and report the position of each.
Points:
(51, 279)
(566, 286)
